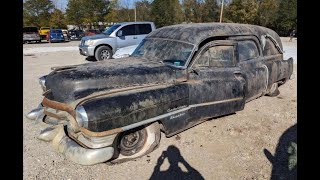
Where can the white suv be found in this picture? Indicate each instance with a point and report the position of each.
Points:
(102, 46)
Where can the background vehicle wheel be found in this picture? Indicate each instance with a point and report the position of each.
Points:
(103, 53)
(138, 142)
(274, 91)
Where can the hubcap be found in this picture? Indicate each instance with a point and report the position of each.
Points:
(104, 54)
(132, 142)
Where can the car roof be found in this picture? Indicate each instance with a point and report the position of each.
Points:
(195, 33)
(123, 23)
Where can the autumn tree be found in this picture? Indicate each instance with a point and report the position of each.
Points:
(37, 12)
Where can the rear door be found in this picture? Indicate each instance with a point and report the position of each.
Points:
(142, 31)
(216, 85)
(128, 37)
(251, 62)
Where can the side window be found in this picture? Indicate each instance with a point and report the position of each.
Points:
(247, 50)
(144, 28)
(217, 56)
(128, 30)
(270, 48)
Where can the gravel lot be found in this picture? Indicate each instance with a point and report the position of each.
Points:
(230, 147)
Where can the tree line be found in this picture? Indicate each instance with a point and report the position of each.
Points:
(279, 15)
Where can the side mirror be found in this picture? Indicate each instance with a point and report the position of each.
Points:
(119, 33)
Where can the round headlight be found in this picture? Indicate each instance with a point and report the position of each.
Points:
(81, 117)
(42, 82)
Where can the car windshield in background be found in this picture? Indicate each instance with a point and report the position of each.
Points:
(168, 51)
(111, 29)
(56, 31)
(30, 29)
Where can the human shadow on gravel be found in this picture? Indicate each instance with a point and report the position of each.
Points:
(174, 172)
(284, 162)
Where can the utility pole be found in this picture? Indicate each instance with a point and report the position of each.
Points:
(135, 14)
(221, 10)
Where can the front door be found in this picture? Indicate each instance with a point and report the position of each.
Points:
(216, 85)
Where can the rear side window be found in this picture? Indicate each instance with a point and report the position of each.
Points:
(129, 30)
(247, 50)
(144, 28)
(270, 48)
(217, 56)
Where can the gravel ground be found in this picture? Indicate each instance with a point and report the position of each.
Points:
(230, 147)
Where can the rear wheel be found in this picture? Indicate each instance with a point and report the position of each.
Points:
(274, 91)
(103, 53)
(138, 142)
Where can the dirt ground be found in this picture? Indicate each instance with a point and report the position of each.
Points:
(230, 147)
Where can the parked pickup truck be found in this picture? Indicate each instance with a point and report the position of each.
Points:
(43, 31)
(102, 46)
(177, 77)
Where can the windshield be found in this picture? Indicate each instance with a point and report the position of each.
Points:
(30, 29)
(111, 29)
(56, 31)
(168, 51)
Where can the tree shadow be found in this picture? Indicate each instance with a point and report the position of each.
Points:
(284, 162)
(174, 171)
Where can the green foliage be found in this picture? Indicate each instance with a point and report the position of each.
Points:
(280, 15)
(200, 10)
(166, 12)
(37, 12)
(242, 11)
(143, 9)
(267, 12)
(57, 19)
(87, 11)
(74, 12)
(286, 16)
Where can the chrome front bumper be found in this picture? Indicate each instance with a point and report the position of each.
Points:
(56, 134)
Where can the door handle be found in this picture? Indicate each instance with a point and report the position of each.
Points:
(134, 37)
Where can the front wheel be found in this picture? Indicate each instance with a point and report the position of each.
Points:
(103, 53)
(138, 142)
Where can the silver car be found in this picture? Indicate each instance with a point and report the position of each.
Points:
(31, 34)
(104, 45)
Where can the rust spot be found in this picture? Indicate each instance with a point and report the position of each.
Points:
(60, 106)
(52, 115)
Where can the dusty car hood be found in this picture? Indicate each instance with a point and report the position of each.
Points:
(98, 36)
(70, 84)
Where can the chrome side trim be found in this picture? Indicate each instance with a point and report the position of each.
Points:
(147, 121)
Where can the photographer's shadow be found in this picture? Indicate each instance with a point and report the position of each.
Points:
(174, 171)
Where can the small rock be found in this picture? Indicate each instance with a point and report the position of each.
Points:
(178, 137)
(201, 145)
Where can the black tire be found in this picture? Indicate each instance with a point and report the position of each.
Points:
(274, 91)
(103, 53)
(147, 140)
